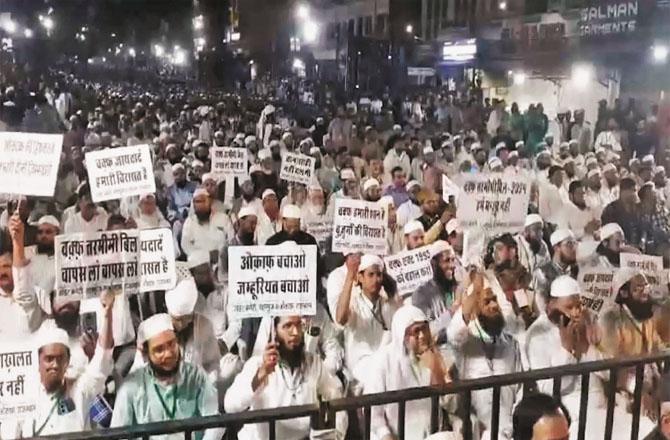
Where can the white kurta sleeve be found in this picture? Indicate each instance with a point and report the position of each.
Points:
(240, 396)
(188, 237)
(25, 295)
(458, 332)
(375, 383)
(329, 388)
(209, 403)
(92, 380)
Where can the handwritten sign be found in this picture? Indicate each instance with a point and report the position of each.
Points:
(449, 188)
(596, 286)
(131, 260)
(19, 384)
(321, 229)
(410, 269)
(359, 226)
(115, 173)
(297, 168)
(652, 267)
(229, 161)
(272, 280)
(494, 202)
(29, 163)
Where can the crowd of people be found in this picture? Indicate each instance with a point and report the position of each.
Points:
(496, 305)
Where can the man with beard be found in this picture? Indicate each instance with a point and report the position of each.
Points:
(42, 268)
(63, 405)
(248, 198)
(551, 204)
(480, 156)
(438, 298)
(562, 263)
(245, 235)
(285, 375)
(411, 209)
(411, 360)
(168, 388)
(269, 220)
(577, 216)
(149, 216)
(610, 191)
(205, 230)
(179, 194)
(612, 243)
(661, 184)
(291, 229)
(484, 349)
(626, 212)
(372, 191)
(414, 235)
(533, 251)
(592, 195)
(211, 184)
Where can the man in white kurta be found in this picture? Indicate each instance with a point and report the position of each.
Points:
(285, 375)
(205, 230)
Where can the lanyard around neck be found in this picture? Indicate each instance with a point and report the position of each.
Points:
(38, 431)
(169, 413)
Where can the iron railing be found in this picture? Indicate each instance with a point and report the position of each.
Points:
(323, 413)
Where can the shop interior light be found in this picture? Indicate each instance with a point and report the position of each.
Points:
(660, 53)
(581, 75)
(519, 78)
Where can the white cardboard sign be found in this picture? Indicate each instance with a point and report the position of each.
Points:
(29, 163)
(115, 173)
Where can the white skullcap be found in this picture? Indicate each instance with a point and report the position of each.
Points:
(367, 261)
(176, 167)
(659, 169)
(249, 139)
(386, 201)
(609, 167)
(560, 235)
(238, 136)
(286, 135)
(608, 230)
(181, 300)
(519, 144)
(347, 174)
(428, 150)
(452, 225)
(447, 144)
(593, 172)
(370, 183)
(269, 109)
(397, 127)
(154, 326)
(500, 145)
(197, 258)
(476, 146)
(622, 276)
(52, 336)
(197, 163)
(255, 169)
(209, 176)
(200, 192)
(572, 142)
(532, 219)
(314, 150)
(267, 193)
(564, 145)
(649, 158)
(591, 160)
(513, 154)
(264, 154)
(495, 162)
(411, 184)
(549, 135)
(291, 211)
(440, 246)
(564, 286)
(246, 211)
(48, 220)
(412, 226)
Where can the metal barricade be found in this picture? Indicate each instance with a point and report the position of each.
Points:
(323, 414)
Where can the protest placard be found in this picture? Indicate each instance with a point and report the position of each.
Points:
(359, 226)
(495, 202)
(229, 162)
(29, 163)
(410, 269)
(321, 229)
(297, 168)
(652, 267)
(115, 173)
(271, 280)
(596, 287)
(131, 260)
(449, 189)
(19, 381)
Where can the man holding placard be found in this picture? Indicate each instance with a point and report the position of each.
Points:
(62, 405)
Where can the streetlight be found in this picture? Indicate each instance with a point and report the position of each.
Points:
(159, 50)
(502, 5)
(131, 52)
(10, 26)
(198, 23)
(519, 78)
(581, 75)
(48, 23)
(409, 29)
(660, 53)
(302, 12)
(310, 31)
(179, 57)
(28, 33)
(298, 64)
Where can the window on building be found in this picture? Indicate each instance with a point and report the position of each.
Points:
(367, 28)
(351, 26)
(382, 25)
(359, 26)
